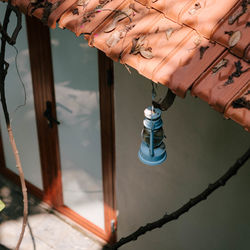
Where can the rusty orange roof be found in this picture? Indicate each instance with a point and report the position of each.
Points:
(202, 46)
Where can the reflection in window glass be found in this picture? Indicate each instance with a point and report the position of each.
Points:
(77, 99)
(23, 119)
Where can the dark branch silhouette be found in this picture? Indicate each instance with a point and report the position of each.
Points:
(185, 208)
(11, 40)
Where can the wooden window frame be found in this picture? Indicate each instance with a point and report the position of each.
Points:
(43, 91)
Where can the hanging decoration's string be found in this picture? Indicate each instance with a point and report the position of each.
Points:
(166, 103)
(153, 94)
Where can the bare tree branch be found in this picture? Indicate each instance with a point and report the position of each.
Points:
(11, 40)
(185, 208)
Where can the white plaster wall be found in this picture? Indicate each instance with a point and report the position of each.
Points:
(201, 145)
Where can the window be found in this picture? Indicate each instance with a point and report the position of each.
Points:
(77, 156)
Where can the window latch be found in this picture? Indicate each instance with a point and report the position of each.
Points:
(48, 114)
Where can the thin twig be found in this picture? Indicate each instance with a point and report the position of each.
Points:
(185, 208)
(32, 236)
(21, 81)
(11, 40)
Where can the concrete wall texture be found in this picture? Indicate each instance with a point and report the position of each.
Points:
(201, 145)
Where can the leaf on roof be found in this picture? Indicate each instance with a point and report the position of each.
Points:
(83, 3)
(237, 73)
(137, 43)
(75, 11)
(241, 102)
(234, 38)
(138, 47)
(117, 35)
(246, 53)
(202, 51)
(197, 40)
(230, 33)
(114, 38)
(146, 52)
(80, 2)
(219, 65)
(120, 15)
(235, 16)
(193, 11)
(132, 6)
(169, 32)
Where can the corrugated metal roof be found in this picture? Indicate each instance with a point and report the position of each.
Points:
(201, 45)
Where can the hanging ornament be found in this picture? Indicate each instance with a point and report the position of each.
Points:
(152, 150)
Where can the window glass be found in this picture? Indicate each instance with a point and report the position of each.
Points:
(77, 99)
(23, 118)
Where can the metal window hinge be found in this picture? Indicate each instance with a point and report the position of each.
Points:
(113, 226)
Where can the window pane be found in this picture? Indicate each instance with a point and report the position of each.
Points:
(23, 118)
(77, 99)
